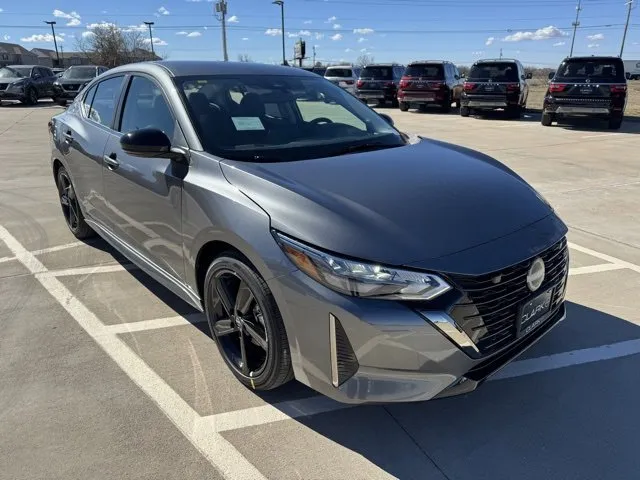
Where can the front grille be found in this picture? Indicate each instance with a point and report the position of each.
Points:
(72, 87)
(488, 310)
(3, 86)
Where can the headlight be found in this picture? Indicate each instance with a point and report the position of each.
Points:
(359, 279)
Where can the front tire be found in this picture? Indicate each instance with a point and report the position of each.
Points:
(404, 106)
(73, 215)
(547, 119)
(246, 324)
(31, 98)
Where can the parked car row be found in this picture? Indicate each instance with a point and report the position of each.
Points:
(581, 87)
(30, 83)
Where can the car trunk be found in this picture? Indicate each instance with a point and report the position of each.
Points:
(495, 81)
(424, 81)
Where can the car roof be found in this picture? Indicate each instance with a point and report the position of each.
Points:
(24, 66)
(496, 60)
(383, 65)
(186, 68)
(594, 57)
(419, 62)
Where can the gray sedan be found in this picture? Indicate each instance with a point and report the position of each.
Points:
(322, 243)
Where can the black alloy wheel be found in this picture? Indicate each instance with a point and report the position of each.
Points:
(246, 324)
(71, 207)
(32, 96)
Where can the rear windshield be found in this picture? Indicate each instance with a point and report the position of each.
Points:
(338, 72)
(494, 71)
(433, 71)
(601, 70)
(73, 73)
(377, 72)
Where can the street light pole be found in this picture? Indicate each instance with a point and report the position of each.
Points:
(626, 27)
(55, 43)
(575, 26)
(221, 8)
(281, 3)
(150, 24)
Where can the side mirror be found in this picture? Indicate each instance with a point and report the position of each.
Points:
(36, 76)
(148, 143)
(551, 75)
(528, 76)
(387, 118)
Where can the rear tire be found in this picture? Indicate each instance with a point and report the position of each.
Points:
(404, 106)
(73, 215)
(458, 103)
(464, 111)
(32, 97)
(547, 119)
(514, 112)
(394, 103)
(252, 369)
(615, 123)
(446, 108)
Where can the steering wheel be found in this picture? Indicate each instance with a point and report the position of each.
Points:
(319, 120)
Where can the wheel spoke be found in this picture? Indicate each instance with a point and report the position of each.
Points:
(243, 354)
(224, 327)
(253, 333)
(244, 298)
(225, 298)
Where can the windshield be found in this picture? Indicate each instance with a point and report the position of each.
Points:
(79, 72)
(601, 70)
(281, 118)
(339, 72)
(14, 72)
(494, 71)
(377, 72)
(430, 71)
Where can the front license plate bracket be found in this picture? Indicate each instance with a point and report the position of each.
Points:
(533, 312)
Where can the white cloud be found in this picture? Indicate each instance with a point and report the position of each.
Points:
(489, 41)
(136, 28)
(87, 34)
(593, 45)
(336, 37)
(331, 19)
(348, 50)
(182, 33)
(244, 39)
(559, 44)
(46, 38)
(597, 36)
(6, 37)
(1, 10)
(363, 31)
(362, 39)
(273, 32)
(100, 25)
(157, 41)
(194, 34)
(73, 17)
(319, 36)
(540, 34)
(308, 22)
(477, 53)
(363, 50)
(163, 11)
(233, 19)
(337, 26)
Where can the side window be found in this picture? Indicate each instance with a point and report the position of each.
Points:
(145, 107)
(47, 72)
(104, 101)
(86, 101)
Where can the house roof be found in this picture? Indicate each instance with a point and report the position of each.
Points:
(13, 49)
(46, 52)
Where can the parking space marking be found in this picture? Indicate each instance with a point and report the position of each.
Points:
(58, 248)
(68, 272)
(603, 267)
(178, 321)
(602, 135)
(213, 446)
(605, 257)
(7, 259)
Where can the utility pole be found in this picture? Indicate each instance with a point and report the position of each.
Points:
(221, 8)
(55, 43)
(61, 65)
(281, 3)
(626, 27)
(575, 24)
(500, 54)
(314, 56)
(150, 24)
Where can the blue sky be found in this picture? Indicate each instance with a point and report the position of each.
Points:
(535, 31)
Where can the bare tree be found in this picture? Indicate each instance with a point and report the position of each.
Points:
(244, 57)
(364, 60)
(112, 46)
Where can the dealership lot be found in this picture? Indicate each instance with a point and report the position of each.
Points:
(105, 374)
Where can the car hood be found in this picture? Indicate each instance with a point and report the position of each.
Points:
(396, 206)
(12, 79)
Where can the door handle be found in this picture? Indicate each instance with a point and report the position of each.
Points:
(111, 161)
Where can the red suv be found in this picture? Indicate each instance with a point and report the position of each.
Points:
(430, 83)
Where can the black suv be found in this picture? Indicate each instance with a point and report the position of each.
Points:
(26, 83)
(495, 84)
(72, 80)
(379, 83)
(430, 82)
(587, 87)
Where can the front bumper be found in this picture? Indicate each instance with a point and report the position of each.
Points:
(12, 94)
(375, 351)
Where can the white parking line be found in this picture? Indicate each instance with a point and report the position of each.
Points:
(218, 451)
(265, 414)
(6, 259)
(601, 135)
(157, 323)
(603, 267)
(605, 257)
(58, 248)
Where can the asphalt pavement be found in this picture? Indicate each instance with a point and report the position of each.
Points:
(105, 374)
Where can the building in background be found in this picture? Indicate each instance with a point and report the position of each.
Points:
(48, 58)
(14, 54)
